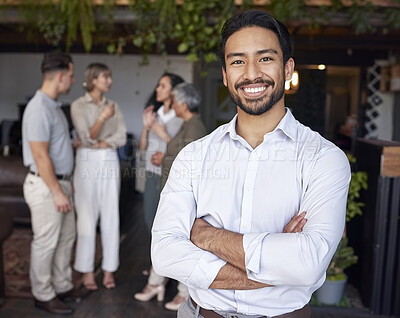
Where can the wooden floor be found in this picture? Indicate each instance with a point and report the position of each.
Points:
(119, 302)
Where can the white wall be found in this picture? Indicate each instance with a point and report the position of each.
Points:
(385, 121)
(20, 77)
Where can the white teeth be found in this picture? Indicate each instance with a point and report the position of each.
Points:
(254, 89)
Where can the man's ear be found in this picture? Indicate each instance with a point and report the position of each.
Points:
(289, 69)
(59, 77)
(224, 77)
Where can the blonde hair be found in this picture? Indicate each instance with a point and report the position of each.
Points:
(92, 71)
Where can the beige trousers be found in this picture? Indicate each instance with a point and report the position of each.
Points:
(53, 237)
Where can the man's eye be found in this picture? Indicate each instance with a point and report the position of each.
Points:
(266, 59)
(237, 62)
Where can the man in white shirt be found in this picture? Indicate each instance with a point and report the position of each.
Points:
(220, 225)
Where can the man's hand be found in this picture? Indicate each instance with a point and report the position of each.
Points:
(296, 224)
(46, 171)
(62, 202)
(199, 233)
(228, 246)
(76, 143)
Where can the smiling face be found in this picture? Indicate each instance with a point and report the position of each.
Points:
(255, 74)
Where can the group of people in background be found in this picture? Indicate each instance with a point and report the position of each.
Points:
(68, 198)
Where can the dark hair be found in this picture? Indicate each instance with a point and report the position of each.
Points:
(253, 18)
(187, 93)
(55, 61)
(92, 71)
(152, 100)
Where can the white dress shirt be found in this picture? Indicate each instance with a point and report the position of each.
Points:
(256, 192)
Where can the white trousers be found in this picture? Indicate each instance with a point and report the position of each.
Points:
(53, 238)
(97, 186)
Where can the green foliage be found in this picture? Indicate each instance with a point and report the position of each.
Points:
(192, 25)
(61, 20)
(80, 16)
(343, 258)
(359, 181)
(284, 10)
(188, 25)
(344, 302)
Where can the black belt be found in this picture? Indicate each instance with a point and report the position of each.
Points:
(304, 312)
(65, 177)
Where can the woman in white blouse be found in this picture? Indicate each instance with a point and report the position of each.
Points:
(101, 128)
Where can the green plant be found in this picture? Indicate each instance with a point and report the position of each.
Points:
(344, 255)
(343, 258)
(359, 181)
(189, 27)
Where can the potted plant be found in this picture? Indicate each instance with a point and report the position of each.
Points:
(331, 292)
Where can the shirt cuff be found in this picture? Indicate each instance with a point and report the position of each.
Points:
(252, 245)
(87, 141)
(205, 271)
(115, 141)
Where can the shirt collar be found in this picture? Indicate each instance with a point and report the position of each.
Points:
(165, 117)
(287, 125)
(88, 98)
(51, 101)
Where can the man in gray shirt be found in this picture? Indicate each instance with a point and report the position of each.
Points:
(48, 153)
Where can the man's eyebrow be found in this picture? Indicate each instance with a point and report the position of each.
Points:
(259, 52)
(230, 55)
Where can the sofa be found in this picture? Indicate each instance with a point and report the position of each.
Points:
(6, 227)
(12, 176)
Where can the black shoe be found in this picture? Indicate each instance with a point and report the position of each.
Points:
(75, 294)
(54, 306)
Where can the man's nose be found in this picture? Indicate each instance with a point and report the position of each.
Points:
(253, 70)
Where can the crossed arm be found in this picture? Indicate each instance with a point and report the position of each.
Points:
(228, 246)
